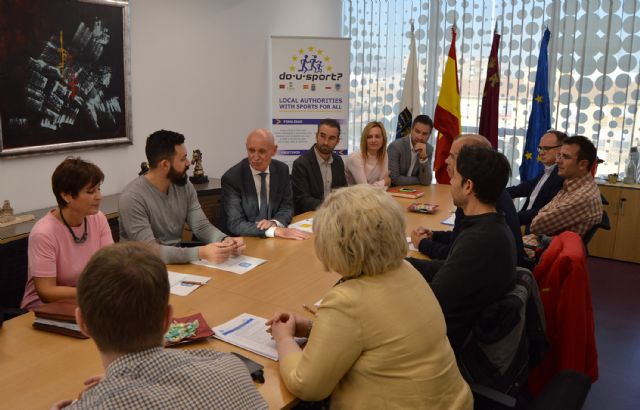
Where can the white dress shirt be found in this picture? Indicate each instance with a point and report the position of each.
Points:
(548, 169)
(257, 179)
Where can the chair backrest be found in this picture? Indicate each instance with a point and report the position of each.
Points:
(495, 358)
(565, 292)
(567, 391)
(604, 223)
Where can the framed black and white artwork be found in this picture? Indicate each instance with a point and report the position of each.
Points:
(64, 75)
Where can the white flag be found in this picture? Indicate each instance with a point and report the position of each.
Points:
(410, 102)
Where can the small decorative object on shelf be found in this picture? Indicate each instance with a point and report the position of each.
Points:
(198, 172)
(144, 168)
(7, 218)
(6, 212)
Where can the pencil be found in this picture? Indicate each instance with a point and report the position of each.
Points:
(188, 282)
(308, 309)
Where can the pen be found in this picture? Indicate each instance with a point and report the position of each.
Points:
(308, 309)
(188, 282)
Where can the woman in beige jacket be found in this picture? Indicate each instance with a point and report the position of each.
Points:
(379, 339)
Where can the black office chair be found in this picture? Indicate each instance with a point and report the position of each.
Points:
(507, 339)
(567, 390)
(604, 223)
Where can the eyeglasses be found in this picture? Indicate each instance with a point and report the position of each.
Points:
(542, 148)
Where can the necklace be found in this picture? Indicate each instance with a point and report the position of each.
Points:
(81, 239)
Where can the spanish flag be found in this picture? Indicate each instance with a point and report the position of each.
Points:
(447, 116)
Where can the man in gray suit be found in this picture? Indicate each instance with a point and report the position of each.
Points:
(256, 192)
(410, 156)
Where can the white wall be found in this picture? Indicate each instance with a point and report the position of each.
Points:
(199, 67)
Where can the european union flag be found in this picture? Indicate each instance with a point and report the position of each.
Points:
(540, 118)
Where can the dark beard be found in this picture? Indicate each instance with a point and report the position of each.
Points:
(176, 178)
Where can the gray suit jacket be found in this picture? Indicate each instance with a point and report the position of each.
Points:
(240, 199)
(400, 153)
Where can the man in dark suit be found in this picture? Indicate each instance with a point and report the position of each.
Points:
(256, 192)
(319, 170)
(544, 187)
(410, 156)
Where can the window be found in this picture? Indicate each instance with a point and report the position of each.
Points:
(594, 77)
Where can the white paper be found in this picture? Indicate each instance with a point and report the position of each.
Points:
(450, 220)
(238, 264)
(305, 225)
(179, 288)
(248, 332)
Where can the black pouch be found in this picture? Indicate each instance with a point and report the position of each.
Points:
(255, 369)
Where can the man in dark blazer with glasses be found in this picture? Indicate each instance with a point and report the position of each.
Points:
(540, 190)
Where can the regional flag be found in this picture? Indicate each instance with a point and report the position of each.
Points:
(489, 113)
(447, 116)
(410, 102)
(540, 117)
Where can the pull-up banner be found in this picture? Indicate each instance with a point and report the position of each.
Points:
(309, 82)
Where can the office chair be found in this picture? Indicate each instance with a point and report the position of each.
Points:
(507, 338)
(604, 223)
(567, 391)
(565, 292)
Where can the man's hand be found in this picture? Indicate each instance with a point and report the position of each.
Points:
(421, 149)
(291, 233)
(419, 234)
(265, 224)
(217, 252)
(237, 243)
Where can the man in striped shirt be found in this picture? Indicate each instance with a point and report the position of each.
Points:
(577, 206)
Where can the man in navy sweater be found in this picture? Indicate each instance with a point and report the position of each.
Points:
(437, 245)
(480, 267)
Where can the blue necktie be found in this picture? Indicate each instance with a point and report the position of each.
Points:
(264, 201)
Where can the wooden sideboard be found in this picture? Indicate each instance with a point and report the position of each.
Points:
(14, 239)
(621, 242)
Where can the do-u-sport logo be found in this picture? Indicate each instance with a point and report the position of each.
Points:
(310, 64)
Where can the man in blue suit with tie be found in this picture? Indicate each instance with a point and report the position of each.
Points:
(256, 192)
(540, 190)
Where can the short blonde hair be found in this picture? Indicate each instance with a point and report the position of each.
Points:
(360, 230)
(363, 140)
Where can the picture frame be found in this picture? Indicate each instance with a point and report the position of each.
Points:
(64, 75)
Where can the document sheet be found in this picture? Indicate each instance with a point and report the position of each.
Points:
(239, 264)
(248, 332)
(183, 284)
(304, 225)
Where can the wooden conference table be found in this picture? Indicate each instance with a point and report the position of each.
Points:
(39, 368)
